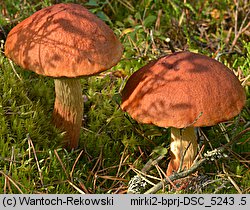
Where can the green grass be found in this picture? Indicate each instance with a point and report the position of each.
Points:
(112, 144)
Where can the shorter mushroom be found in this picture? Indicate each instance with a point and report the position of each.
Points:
(64, 41)
(183, 90)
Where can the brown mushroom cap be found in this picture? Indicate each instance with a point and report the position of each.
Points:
(183, 89)
(63, 40)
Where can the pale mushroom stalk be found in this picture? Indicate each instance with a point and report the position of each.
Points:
(183, 144)
(68, 109)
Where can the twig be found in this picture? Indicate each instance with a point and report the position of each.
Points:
(224, 131)
(151, 163)
(13, 68)
(121, 163)
(199, 153)
(236, 17)
(37, 163)
(74, 165)
(127, 4)
(195, 120)
(244, 83)
(231, 180)
(95, 169)
(11, 162)
(241, 31)
(159, 170)
(158, 20)
(122, 160)
(140, 173)
(165, 175)
(182, 158)
(211, 146)
(60, 161)
(12, 181)
(184, 12)
(78, 189)
(83, 186)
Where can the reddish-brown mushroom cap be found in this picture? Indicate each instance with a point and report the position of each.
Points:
(181, 90)
(63, 40)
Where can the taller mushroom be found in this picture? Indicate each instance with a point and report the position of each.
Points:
(182, 91)
(64, 41)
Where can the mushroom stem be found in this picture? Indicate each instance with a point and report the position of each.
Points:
(68, 109)
(181, 139)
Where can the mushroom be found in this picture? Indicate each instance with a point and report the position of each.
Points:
(64, 41)
(183, 90)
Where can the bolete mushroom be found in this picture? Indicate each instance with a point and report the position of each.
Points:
(183, 90)
(64, 41)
